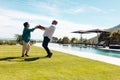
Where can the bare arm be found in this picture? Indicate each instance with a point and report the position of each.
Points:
(41, 27)
(44, 28)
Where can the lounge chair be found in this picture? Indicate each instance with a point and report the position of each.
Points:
(114, 46)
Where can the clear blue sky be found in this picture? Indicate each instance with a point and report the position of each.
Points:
(72, 15)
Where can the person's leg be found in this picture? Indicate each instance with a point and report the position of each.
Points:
(23, 48)
(27, 49)
(45, 45)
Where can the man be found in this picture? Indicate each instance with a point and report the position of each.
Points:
(26, 38)
(48, 33)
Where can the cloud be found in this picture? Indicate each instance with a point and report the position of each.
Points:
(112, 10)
(79, 10)
(45, 7)
(65, 28)
(50, 8)
(85, 9)
(57, 8)
(95, 9)
(22, 15)
(12, 21)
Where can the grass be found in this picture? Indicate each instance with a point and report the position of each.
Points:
(60, 67)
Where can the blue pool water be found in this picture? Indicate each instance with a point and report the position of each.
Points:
(92, 50)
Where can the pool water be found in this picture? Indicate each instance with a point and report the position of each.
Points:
(99, 51)
(90, 49)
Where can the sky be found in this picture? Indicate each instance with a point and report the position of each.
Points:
(72, 15)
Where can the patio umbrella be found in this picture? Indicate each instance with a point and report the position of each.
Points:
(89, 31)
(80, 32)
(96, 31)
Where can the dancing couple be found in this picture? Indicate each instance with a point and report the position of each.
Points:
(48, 33)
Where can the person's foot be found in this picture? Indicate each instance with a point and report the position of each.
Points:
(47, 56)
(50, 55)
(22, 56)
(26, 55)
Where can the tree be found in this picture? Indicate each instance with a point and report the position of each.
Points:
(65, 40)
(104, 36)
(59, 40)
(19, 38)
(20, 41)
(54, 39)
(115, 37)
(110, 38)
(74, 40)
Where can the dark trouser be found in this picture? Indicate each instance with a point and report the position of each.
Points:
(45, 45)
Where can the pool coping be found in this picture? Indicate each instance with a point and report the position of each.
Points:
(98, 57)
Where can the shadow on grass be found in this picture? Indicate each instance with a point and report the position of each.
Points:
(33, 58)
(7, 58)
(21, 59)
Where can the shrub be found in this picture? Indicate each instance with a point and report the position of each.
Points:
(8, 42)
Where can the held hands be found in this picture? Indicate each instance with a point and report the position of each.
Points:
(39, 27)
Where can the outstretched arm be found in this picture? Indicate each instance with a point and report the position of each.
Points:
(30, 30)
(41, 27)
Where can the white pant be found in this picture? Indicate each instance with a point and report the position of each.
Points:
(26, 47)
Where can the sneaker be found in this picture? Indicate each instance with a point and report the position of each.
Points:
(50, 55)
(47, 56)
(26, 55)
(22, 56)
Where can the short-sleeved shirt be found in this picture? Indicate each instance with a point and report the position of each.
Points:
(26, 34)
(49, 32)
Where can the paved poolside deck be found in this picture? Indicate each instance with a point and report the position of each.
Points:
(107, 59)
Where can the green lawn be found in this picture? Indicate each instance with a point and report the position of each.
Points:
(60, 67)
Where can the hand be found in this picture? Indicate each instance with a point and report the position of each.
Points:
(41, 27)
(38, 26)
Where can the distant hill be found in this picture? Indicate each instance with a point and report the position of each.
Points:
(115, 28)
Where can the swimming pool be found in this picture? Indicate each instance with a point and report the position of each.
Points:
(91, 50)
